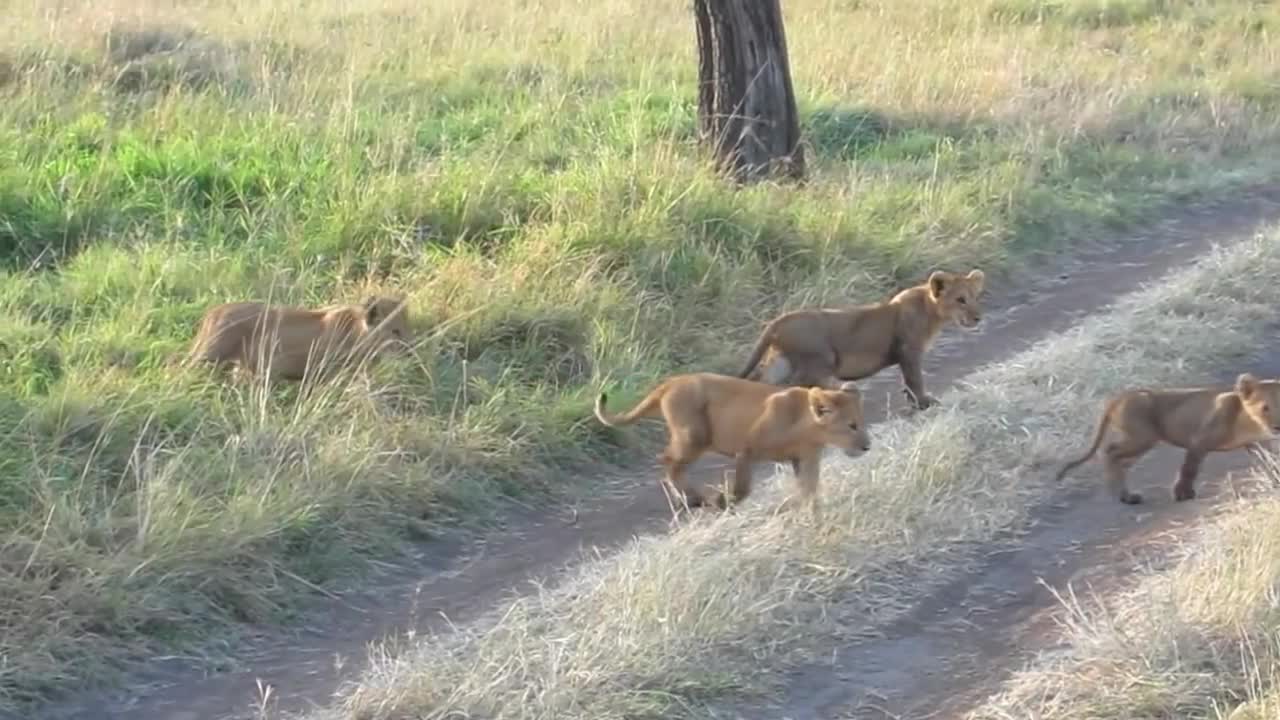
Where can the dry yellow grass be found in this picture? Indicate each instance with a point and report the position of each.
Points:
(718, 606)
(1195, 639)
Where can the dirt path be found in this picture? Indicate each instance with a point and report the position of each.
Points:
(958, 646)
(453, 581)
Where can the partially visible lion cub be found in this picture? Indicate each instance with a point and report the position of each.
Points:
(822, 346)
(1199, 420)
(289, 343)
(748, 421)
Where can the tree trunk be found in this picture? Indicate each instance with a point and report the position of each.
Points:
(746, 106)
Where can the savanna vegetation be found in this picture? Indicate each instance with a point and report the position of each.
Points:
(1196, 637)
(680, 624)
(527, 174)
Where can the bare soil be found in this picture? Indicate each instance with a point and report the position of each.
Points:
(958, 646)
(965, 635)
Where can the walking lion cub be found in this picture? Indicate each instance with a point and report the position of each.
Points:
(1199, 420)
(750, 422)
(823, 346)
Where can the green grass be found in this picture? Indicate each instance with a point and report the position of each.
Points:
(529, 179)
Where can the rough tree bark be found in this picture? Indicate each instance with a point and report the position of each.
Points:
(746, 106)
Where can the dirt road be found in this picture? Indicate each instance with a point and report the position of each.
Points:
(453, 581)
(957, 647)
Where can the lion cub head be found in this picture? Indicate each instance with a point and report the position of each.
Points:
(958, 297)
(1259, 399)
(838, 414)
(387, 320)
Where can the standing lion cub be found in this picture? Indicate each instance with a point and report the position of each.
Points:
(822, 346)
(291, 343)
(750, 422)
(1199, 420)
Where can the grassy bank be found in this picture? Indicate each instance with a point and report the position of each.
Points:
(716, 608)
(1197, 639)
(527, 176)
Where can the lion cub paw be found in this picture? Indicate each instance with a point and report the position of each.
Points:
(922, 402)
(714, 497)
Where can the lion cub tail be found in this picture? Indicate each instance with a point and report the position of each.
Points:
(644, 409)
(1103, 424)
(762, 344)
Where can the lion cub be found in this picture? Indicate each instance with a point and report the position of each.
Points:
(290, 343)
(822, 346)
(1199, 420)
(748, 421)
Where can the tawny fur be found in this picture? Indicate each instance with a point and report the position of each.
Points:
(1198, 420)
(290, 343)
(825, 346)
(748, 421)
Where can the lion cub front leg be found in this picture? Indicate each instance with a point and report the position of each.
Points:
(807, 472)
(1214, 433)
(1184, 487)
(1201, 444)
(909, 362)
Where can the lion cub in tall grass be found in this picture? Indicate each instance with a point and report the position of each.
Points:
(1199, 420)
(748, 421)
(291, 343)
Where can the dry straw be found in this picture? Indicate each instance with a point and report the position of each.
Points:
(671, 620)
(1196, 639)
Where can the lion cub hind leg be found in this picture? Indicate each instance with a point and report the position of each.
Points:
(813, 371)
(1131, 438)
(690, 438)
(1118, 462)
(1184, 486)
(776, 370)
(676, 460)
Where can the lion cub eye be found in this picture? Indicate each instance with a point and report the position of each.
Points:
(962, 301)
(853, 426)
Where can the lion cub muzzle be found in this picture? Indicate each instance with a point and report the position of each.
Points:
(968, 317)
(858, 440)
(861, 443)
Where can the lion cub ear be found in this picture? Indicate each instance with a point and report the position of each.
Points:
(938, 281)
(1247, 385)
(818, 404)
(849, 388)
(978, 278)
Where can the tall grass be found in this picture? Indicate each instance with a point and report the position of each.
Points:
(720, 606)
(1196, 639)
(526, 174)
